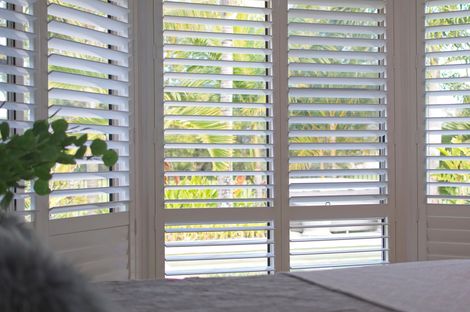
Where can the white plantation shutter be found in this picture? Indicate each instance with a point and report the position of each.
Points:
(337, 103)
(338, 136)
(218, 136)
(17, 76)
(447, 51)
(89, 82)
(89, 64)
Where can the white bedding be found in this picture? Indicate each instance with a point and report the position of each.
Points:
(431, 286)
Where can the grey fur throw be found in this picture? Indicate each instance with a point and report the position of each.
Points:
(32, 279)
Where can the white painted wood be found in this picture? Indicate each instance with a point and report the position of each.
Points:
(91, 254)
(89, 223)
(40, 8)
(112, 267)
(281, 112)
(449, 235)
(100, 255)
(89, 239)
(417, 230)
(405, 123)
(159, 147)
(101, 246)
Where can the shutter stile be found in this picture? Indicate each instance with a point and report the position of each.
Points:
(89, 86)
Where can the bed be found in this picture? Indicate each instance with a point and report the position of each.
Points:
(417, 286)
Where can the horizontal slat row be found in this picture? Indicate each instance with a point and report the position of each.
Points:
(338, 243)
(213, 249)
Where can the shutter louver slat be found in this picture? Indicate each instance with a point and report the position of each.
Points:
(215, 49)
(367, 56)
(364, 4)
(91, 50)
(214, 21)
(23, 3)
(16, 17)
(86, 65)
(16, 34)
(88, 86)
(85, 18)
(218, 132)
(68, 111)
(327, 28)
(72, 30)
(196, 62)
(169, 5)
(336, 15)
(113, 9)
(83, 80)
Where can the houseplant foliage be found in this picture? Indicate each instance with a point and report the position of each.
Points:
(32, 155)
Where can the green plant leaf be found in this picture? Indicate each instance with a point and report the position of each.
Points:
(80, 152)
(59, 125)
(98, 147)
(40, 127)
(81, 140)
(4, 130)
(43, 172)
(41, 187)
(6, 200)
(49, 153)
(110, 157)
(57, 137)
(66, 159)
(30, 156)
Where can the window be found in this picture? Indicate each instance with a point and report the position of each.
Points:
(276, 140)
(221, 126)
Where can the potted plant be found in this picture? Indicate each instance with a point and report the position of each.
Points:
(32, 155)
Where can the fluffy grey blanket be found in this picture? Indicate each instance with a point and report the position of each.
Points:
(32, 279)
(276, 293)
